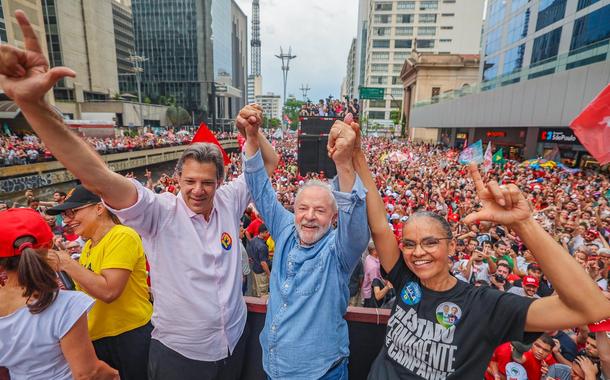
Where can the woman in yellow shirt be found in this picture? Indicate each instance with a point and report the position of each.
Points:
(111, 269)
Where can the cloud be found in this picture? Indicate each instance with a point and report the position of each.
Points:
(320, 33)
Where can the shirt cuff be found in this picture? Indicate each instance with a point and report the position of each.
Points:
(254, 163)
(125, 213)
(347, 201)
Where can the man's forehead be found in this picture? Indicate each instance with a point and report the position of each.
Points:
(314, 195)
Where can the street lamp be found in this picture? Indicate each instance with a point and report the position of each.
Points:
(136, 61)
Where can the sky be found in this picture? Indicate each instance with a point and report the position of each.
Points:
(320, 33)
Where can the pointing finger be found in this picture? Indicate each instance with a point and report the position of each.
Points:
(476, 177)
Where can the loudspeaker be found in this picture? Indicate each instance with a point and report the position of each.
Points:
(312, 153)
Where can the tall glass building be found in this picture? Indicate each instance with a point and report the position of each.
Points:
(174, 37)
(529, 33)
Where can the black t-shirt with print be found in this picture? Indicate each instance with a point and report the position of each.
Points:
(446, 335)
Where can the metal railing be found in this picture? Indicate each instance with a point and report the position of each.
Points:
(586, 55)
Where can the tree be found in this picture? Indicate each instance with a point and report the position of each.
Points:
(292, 108)
(275, 123)
(177, 116)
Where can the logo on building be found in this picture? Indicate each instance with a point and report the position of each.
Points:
(558, 136)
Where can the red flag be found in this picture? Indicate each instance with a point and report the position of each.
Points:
(205, 135)
(465, 144)
(592, 127)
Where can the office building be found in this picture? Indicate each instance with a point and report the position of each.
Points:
(395, 28)
(125, 45)
(348, 87)
(271, 104)
(80, 35)
(543, 62)
(175, 39)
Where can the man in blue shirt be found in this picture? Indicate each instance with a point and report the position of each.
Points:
(305, 335)
(259, 254)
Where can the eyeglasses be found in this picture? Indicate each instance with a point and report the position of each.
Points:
(71, 212)
(429, 245)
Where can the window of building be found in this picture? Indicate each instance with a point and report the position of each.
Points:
(513, 59)
(492, 43)
(447, 14)
(517, 4)
(490, 68)
(383, 6)
(425, 44)
(377, 79)
(396, 80)
(436, 91)
(448, 1)
(384, 44)
(404, 31)
(495, 12)
(546, 46)
(381, 31)
(377, 103)
(588, 32)
(405, 19)
(380, 56)
(397, 68)
(426, 18)
(517, 27)
(445, 40)
(376, 115)
(446, 27)
(428, 5)
(585, 3)
(405, 5)
(426, 31)
(396, 92)
(382, 19)
(550, 11)
(401, 55)
(403, 44)
(379, 68)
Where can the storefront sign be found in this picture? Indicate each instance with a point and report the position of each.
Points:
(559, 136)
(496, 134)
(461, 136)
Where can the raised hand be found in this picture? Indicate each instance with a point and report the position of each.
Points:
(24, 74)
(341, 142)
(501, 204)
(249, 120)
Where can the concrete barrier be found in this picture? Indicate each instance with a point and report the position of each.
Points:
(18, 178)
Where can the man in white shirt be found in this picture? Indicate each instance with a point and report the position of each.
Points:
(191, 239)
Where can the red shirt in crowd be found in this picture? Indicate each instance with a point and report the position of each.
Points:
(533, 367)
(502, 356)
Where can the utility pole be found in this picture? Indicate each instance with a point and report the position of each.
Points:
(285, 66)
(305, 88)
(136, 62)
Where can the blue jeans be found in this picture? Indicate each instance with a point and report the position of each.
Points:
(339, 372)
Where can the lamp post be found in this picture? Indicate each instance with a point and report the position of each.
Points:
(136, 61)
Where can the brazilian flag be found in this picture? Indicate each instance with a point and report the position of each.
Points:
(498, 158)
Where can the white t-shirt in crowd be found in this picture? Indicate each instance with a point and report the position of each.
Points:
(519, 291)
(30, 347)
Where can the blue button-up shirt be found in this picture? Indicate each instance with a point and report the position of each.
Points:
(305, 332)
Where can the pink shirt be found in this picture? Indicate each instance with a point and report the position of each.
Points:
(371, 272)
(195, 269)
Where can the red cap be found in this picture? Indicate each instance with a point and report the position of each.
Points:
(19, 222)
(530, 280)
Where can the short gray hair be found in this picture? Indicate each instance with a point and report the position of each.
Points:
(203, 153)
(322, 185)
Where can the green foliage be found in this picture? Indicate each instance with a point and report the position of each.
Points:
(177, 116)
(292, 108)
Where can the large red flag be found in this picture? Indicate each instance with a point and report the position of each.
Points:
(205, 135)
(592, 127)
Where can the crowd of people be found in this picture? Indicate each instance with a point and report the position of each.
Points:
(331, 108)
(28, 149)
(502, 275)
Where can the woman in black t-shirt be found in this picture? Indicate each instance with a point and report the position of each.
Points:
(442, 328)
